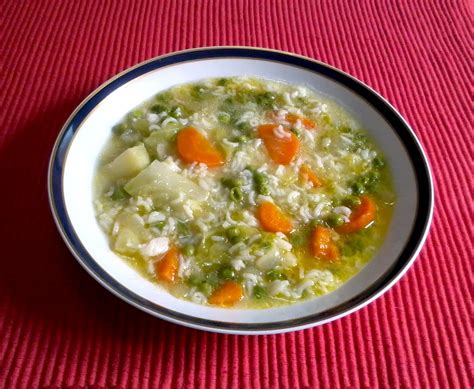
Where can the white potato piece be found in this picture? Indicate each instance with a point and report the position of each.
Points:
(161, 183)
(131, 234)
(269, 260)
(126, 242)
(129, 163)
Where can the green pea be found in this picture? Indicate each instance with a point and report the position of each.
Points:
(245, 127)
(231, 182)
(119, 129)
(119, 194)
(259, 177)
(223, 118)
(358, 188)
(201, 284)
(301, 101)
(238, 216)
(176, 112)
(159, 224)
(188, 250)
(227, 273)
(347, 251)
(227, 103)
(372, 178)
(158, 108)
(265, 245)
(163, 97)
(345, 129)
(223, 81)
(263, 189)
(334, 220)
(236, 194)
(259, 292)
(315, 223)
(209, 268)
(266, 242)
(352, 246)
(198, 91)
(240, 139)
(378, 162)
(351, 201)
(234, 234)
(194, 280)
(266, 99)
(206, 288)
(241, 97)
(183, 229)
(261, 183)
(361, 139)
(297, 239)
(136, 114)
(325, 118)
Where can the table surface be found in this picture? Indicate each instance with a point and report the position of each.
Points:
(59, 328)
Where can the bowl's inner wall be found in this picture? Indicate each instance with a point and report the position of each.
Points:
(95, 130)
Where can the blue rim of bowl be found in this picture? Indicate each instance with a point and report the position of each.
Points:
(399, 125)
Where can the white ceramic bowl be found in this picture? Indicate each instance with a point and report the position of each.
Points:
(83, 136)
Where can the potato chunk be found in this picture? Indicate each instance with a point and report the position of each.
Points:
(160, 182)
(129, 163)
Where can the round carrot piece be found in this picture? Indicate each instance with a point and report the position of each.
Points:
(282, 146)
(309, 175)
(167, 267)
(226, 295)
(273, 219)
(322, 245)
(194, 147)
(362, 216)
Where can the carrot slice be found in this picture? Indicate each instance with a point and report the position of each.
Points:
(273, 219)
(194, 147)
(227, 294)
(167, 267)
(282, 149)
(306, 122)
(361, 216)
(309, 175)
(321, 244)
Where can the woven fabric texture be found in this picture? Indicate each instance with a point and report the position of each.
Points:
(59, 328)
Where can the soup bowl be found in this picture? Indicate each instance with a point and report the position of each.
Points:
(79, 144)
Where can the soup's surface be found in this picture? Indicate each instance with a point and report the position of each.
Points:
(243, 192)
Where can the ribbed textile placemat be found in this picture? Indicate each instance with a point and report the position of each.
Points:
(59, 328)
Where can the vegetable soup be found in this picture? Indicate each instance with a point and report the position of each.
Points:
(243, 192)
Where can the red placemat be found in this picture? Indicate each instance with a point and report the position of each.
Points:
(59, 328)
